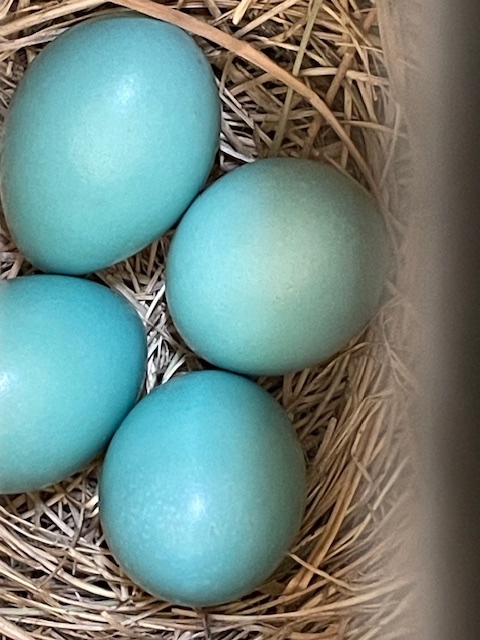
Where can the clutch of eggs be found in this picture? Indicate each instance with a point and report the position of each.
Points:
(111, 133)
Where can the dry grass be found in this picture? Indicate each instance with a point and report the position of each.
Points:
(296, 78)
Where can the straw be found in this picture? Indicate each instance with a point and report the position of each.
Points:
(296, 78)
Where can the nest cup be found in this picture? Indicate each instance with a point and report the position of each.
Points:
(296, 78)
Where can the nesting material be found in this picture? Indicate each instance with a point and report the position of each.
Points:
(296, 78)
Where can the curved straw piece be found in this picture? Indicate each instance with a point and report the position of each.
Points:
(250, 54)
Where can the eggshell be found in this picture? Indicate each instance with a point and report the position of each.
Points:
(276, 266)
(111, 133)
(72, 360)
(203, 489)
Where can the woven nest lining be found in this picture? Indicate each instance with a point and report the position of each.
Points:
(297, 78)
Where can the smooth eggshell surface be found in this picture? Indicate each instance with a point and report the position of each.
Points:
(276, 266)
(111, 133)
(72, 361)
(203, 489)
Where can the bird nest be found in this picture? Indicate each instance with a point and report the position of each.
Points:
(302, 78)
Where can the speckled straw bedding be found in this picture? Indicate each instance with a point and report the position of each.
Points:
(298, 78)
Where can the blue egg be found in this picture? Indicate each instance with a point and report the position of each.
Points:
(276, 266)
(203, 489)
(72, 361)
(111, 133)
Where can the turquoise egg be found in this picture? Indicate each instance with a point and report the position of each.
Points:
(276, 266)
(111, 133)
(72, 361)
(202, 490)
